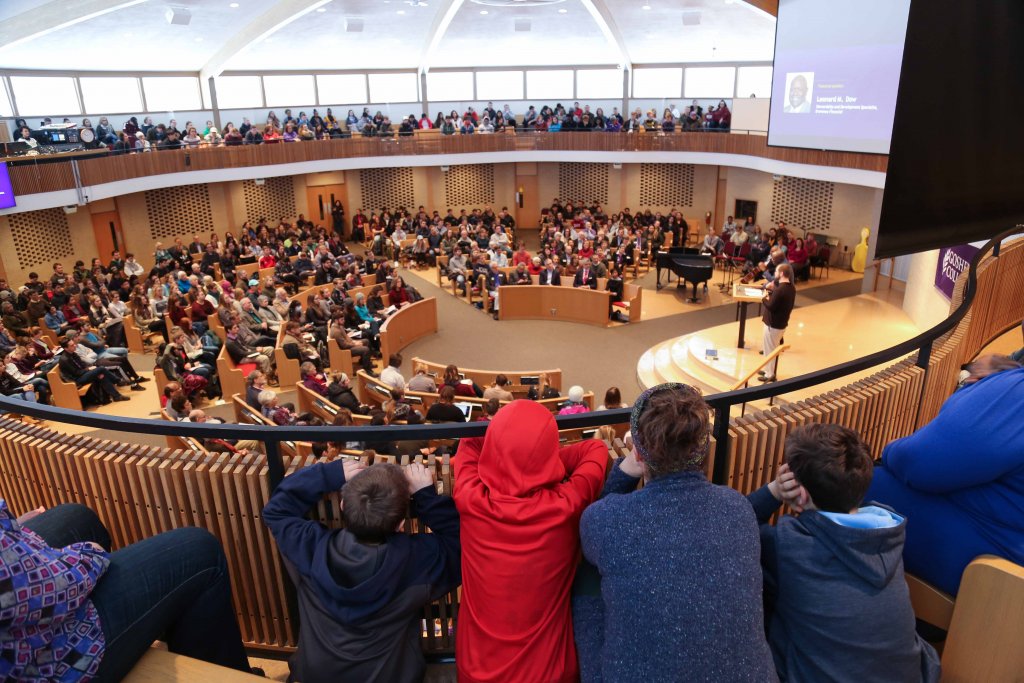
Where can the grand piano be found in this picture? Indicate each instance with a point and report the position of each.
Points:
(688, 264)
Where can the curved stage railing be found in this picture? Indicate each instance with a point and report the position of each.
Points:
(140, 490)
(31, 175)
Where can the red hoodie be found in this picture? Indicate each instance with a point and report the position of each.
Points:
(520, 498)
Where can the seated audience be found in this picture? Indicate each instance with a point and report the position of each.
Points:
(575, 404)
(959, 479)
(516, 485)
(76, 611)
(392, 374)
(362, 588)
(421, 381)
(445, 410)
(499, 389)
(612, 400)
(339, 392)
(639, 604)
(838, 603)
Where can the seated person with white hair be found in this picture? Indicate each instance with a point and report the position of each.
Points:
(575, 404)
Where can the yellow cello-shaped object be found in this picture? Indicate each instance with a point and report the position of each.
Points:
(860, 253)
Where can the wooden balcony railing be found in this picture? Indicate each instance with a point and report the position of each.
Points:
(46, 175)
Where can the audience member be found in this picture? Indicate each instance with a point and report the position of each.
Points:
(639, 604)
(959, 479)
(517, 486)
(837, 601)
(77, 611)
(362, 588)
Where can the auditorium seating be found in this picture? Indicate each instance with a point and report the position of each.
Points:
(372, 391)
(982, 623)
(486, 378)
(65, 394)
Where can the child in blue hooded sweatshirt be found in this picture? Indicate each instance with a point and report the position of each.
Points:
(837, 604)
(362, 589)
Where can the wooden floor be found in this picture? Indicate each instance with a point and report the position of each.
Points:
(820, 336)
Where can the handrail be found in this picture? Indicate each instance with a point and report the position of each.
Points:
(720, 403)
(765, 361)
(40, 174)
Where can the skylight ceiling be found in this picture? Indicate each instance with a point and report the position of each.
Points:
(382, 34)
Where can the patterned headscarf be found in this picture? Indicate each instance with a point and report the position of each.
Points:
(699, 452)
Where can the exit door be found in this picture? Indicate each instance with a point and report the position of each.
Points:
(321, 199)
(109, 235)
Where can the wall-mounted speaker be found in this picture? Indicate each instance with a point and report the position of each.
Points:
(353, 25)
(260, 181)
(522, 25)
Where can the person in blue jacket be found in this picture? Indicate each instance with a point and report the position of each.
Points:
(362, 589)
(676, 593)
(959, 479)
(837, 603)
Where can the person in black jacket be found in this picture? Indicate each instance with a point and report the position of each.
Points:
(74, 368)
(339, 392)
(780, 295)
(362, 589)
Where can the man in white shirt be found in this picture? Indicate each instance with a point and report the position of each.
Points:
(392, 374)
(133, 268)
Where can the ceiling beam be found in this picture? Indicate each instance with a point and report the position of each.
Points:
(767, 6)
(438, 27)
(40, 21)
(277, 17)
(603, 17)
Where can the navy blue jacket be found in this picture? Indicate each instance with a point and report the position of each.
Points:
(361, 604)
(839, 604)
(680, 584)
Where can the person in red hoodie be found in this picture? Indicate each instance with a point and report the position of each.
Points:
(520, 497)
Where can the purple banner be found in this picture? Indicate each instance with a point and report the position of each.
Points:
(952, 262)
(6, 192)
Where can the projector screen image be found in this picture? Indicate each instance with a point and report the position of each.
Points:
(6, 192)
(836, 74)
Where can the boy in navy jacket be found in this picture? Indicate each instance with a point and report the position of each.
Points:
(362, 589)
(837, 604)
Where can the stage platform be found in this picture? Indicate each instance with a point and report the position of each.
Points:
(820, 336)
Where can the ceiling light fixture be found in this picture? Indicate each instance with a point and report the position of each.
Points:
(646, 7)
(563, 11)
(233, 5)
(483, 11)
(199, 40)
(401, 11)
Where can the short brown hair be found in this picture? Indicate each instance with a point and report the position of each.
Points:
(832, 463)
(374, 502)
(674, 427)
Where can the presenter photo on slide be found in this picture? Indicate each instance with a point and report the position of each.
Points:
(799, 86)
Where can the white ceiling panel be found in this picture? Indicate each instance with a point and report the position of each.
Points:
(136, 38)
(393, 34)
(715, 30)
(483, 33)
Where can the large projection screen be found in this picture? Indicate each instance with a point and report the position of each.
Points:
(956, 169)
(837, 71)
